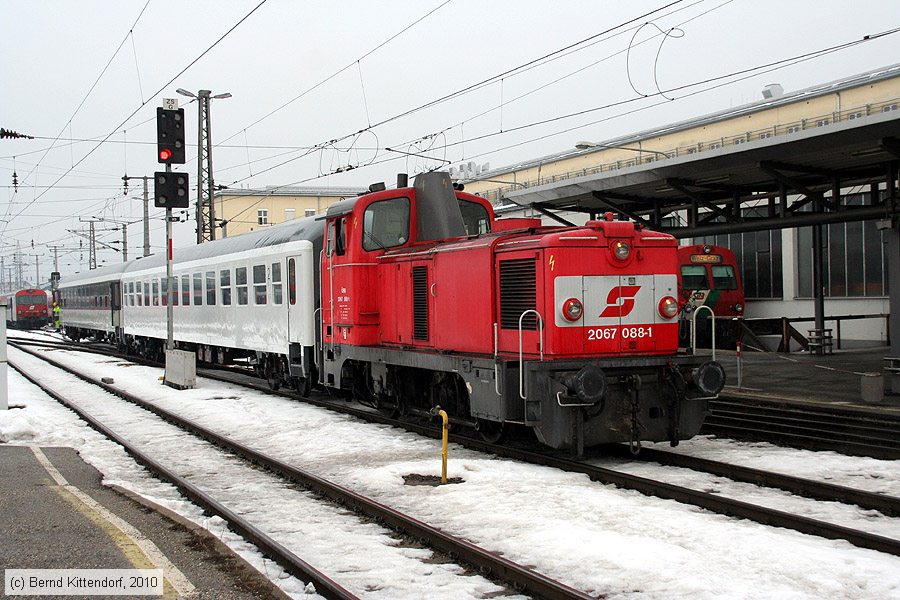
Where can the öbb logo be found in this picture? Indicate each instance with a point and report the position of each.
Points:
(620, 301)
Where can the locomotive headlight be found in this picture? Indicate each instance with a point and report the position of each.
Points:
(738, 308)
(668, 307)
(572, 309)
(622, 250)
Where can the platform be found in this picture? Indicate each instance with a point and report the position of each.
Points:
(803, 377)
(56, 514)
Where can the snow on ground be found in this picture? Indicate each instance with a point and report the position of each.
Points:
(596, 538)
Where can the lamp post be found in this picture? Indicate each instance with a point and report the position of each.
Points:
(206, 215)
(586, 145)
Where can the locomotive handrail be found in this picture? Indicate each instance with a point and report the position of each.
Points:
(497, 360)
(521, 353)
(694, 328)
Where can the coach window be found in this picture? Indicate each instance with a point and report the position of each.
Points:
(146, 293)
(240, 282)
(175, 294)
(292, 281)
(276, 283)
(164, 291)
(198, 289)
(386, 224)
(139, 294)
(225, 284)
(259, 284)
(156, 292)
(186, 290)
(211, 288)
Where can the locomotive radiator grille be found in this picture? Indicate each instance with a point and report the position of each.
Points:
(420, 303)
(518, 293)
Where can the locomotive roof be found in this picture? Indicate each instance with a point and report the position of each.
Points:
(298, 229)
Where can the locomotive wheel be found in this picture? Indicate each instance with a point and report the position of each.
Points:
(491, 432)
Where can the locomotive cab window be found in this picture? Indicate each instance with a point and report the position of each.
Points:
(693, 277)
(386, 224)
(337, 237)
(475, 217)
(723, 277)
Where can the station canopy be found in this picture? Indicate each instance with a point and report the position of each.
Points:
(792, 180)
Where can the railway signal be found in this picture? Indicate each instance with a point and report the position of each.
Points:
(170, 136)
(170, 190)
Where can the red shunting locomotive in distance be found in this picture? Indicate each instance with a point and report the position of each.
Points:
(427, 299)
(28, 309)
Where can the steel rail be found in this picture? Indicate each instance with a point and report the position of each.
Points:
(809, 488)
(819, 428)
(292, 563)
(649, 487)
(517, 576)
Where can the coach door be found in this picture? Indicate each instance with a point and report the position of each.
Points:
(115, 304)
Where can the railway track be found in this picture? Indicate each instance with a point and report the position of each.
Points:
(514, 576)
(814, 427)
(713, 502)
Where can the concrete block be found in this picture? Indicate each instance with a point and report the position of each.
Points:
(181, 369)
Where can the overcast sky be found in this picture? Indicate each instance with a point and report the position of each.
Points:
(322, 86)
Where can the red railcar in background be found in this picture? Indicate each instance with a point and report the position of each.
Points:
(28, 309)
(708, 276)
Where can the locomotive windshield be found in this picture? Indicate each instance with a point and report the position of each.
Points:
(475, 217)
(693, 277)
(724, 278)
(35, 299)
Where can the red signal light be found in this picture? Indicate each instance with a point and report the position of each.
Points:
(165, 154)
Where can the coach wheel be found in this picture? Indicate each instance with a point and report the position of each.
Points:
(273, 378)
(491, 432)
(303, 385)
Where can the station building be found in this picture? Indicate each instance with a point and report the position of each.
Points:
(776, 265)
(244, 210)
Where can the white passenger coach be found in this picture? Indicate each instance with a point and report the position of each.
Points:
(252, 297)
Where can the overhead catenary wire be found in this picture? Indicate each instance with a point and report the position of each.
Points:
(729, 78)
(156, 93)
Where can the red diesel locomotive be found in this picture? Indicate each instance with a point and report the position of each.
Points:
(428, 300)
(27, 309)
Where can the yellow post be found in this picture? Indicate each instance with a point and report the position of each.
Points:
(444, 440)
